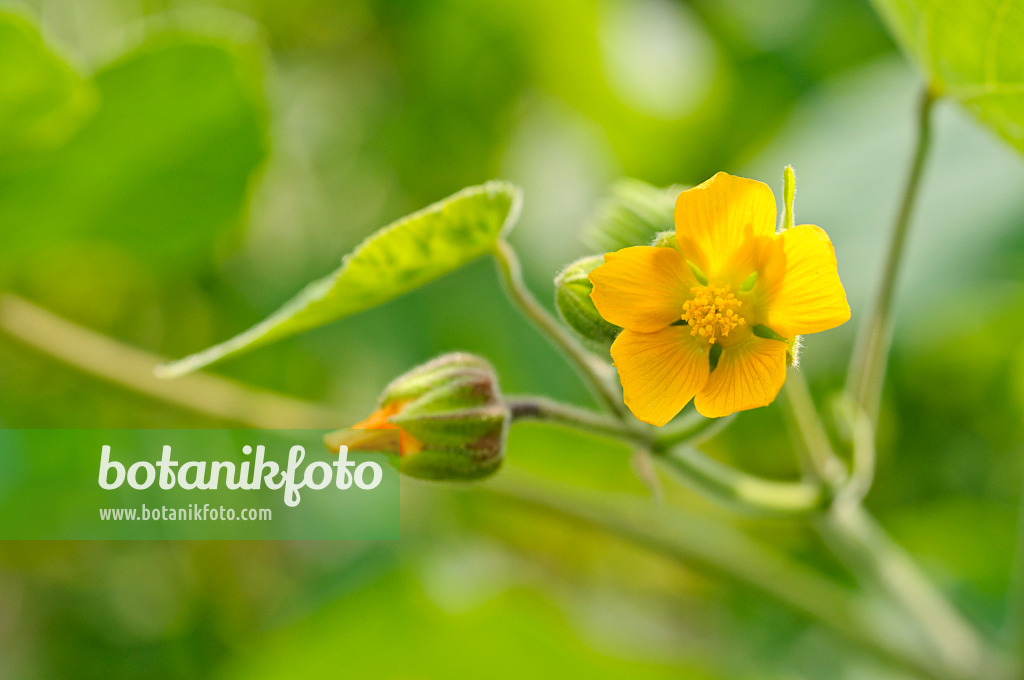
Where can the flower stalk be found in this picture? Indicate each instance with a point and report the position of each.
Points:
(594, 372)
(551, 411)
(817, 458)
(720, 549)
(747, 493)
(848, 528)
(856, 537)
(870, 355)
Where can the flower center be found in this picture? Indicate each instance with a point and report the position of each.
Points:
(711, 313)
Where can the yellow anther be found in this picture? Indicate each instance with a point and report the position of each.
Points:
(711, 313)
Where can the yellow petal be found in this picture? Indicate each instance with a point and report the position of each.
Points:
(642, 288)
(660, 372)
(722, 223)
(748, 375)
(803, 292)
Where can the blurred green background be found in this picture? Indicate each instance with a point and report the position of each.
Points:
(183, 167)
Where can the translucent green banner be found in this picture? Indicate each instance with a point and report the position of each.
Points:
(192, 485)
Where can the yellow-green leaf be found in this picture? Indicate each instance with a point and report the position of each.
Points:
(161, 169)
(971, 51)
(396, 259)
(42, 99)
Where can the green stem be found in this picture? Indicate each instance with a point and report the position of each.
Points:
(849, 528)
(867, 368)
(689, 431)
(855, 535)
(549, 410)
(721, 550)
(875, 558)
(721, 482)
(862, 436)
(744, 492)
(596, 373)
(817, 457)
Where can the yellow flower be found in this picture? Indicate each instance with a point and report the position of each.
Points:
(731, 293)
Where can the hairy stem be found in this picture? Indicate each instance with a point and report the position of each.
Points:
(817, 457)
(595, 372)
(867, 367)
(877, 561)
(690, 430)
(848, 528)
(721, 482)
(721, 550)
(855, 535)
(742, 491)
(549, 410)
(874, 558)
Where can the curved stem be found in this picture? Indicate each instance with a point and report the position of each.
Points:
(848, 527)
(742, 491)
(719, 481)
(867, 367)
(718, 549)
(878, 562)
(817, 457)
(855, 535)
(549, 410)
(689, 431)
(862, 435)
(596, 373)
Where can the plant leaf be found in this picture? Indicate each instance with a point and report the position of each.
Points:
(42, 99)
(164, 166)
(396, 259)
(971, 51)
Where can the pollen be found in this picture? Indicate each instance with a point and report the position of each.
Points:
(711, 313)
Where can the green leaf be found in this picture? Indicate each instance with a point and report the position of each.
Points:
(42, 99)
(633, 214)
(162, 170)
(396, 259)
(971, 51)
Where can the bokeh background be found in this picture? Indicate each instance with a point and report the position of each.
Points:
(209, 158)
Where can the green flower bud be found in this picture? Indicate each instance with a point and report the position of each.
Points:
(450, 416)
(665, 239)
(632, 214)
(572, 299)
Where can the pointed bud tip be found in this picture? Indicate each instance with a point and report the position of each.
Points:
(448, 416)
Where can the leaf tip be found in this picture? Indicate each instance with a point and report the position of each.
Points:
(185, 365)
(515, 196)
(172, 369)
